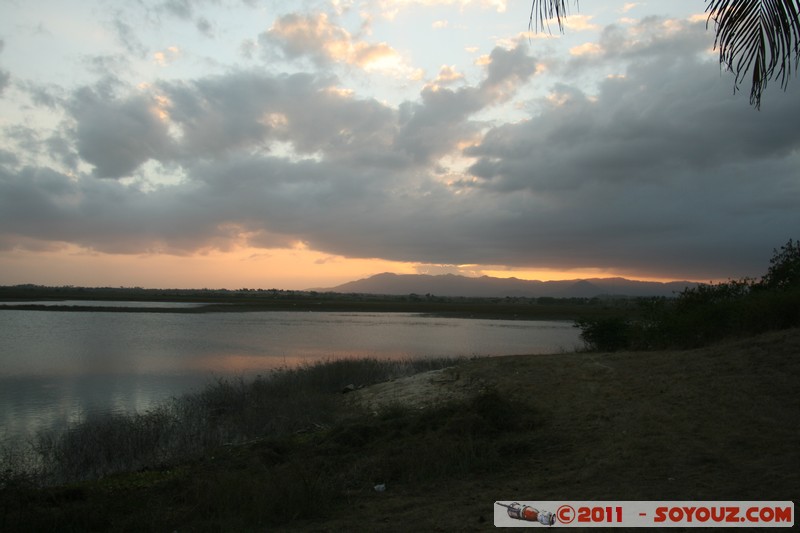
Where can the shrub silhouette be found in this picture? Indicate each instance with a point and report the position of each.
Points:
(708, 312)
(784, 268)
(606, 334)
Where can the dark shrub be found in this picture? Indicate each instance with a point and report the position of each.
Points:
(784, 267)
(605, 334)
(707, 313)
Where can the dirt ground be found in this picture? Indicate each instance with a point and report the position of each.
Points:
(719, 423)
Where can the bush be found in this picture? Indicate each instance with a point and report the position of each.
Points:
(784, 268)
(708, 312)
(607, 334)
(404, 445)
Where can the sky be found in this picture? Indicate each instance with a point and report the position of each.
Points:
(302, 144)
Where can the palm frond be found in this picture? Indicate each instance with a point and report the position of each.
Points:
(756, 37)
(544, 10)
(760, 37)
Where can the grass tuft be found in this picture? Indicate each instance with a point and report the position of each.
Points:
(228, 411)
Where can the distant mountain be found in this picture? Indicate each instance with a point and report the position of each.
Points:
(485, 286)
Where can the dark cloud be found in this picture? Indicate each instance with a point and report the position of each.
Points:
(5, 80)
(117, 136)
(26, 140)
(8, 158)
(674, 41)
(660, 170)
(105, 215)
(29, 198)
(204, 26)
(185, 11)
(508, 68)
(49, 96)
(656, 123)
(434, 126)
(60, 147)
(178, 8)
(663, 169)
(248, 110)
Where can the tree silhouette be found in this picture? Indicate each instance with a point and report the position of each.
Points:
(784, 268)
(759, 37)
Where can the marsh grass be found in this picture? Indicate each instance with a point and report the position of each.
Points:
(251, 455)
(228, 411)
(277, 481)
(445, 442)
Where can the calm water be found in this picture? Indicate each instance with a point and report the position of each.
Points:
(103, 303)
(57, 367)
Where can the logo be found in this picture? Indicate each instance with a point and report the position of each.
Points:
(588, 514)
(529, 514)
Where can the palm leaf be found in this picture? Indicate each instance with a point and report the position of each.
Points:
(544, 10)
(760, 37)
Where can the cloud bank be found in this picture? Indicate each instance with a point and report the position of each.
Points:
(658, 169)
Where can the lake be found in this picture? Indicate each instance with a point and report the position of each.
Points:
(57, 367)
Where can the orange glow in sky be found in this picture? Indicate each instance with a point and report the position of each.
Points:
(294, 269)
(241, 268)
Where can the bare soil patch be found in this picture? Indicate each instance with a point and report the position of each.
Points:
(419, 391)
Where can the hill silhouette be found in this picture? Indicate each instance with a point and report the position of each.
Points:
(490, 287)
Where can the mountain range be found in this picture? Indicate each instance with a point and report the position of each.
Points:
(489, 287)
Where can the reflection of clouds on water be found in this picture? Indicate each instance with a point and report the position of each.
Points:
(523, 324)
(29, 405)
(239, 364)
(235, 364)
(105, 303)
(57, 367)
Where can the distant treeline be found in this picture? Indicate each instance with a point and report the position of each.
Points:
(226, 300)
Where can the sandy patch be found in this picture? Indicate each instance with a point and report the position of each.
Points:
(420, 390)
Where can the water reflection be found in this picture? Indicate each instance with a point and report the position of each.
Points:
(29, 404)
(56, 367)
(104, 303)
(249, 365)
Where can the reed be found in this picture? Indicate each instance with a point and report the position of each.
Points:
(227, 411)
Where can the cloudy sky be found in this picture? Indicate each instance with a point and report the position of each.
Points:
(297, 144)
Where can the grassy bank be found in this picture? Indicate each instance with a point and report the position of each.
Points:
(228, 412)
(716, 423)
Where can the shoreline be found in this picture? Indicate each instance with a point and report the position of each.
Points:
(488, 310)
(663, 425)
(247, 300)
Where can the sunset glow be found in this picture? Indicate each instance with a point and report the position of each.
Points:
(294, 269)
(236, 144)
